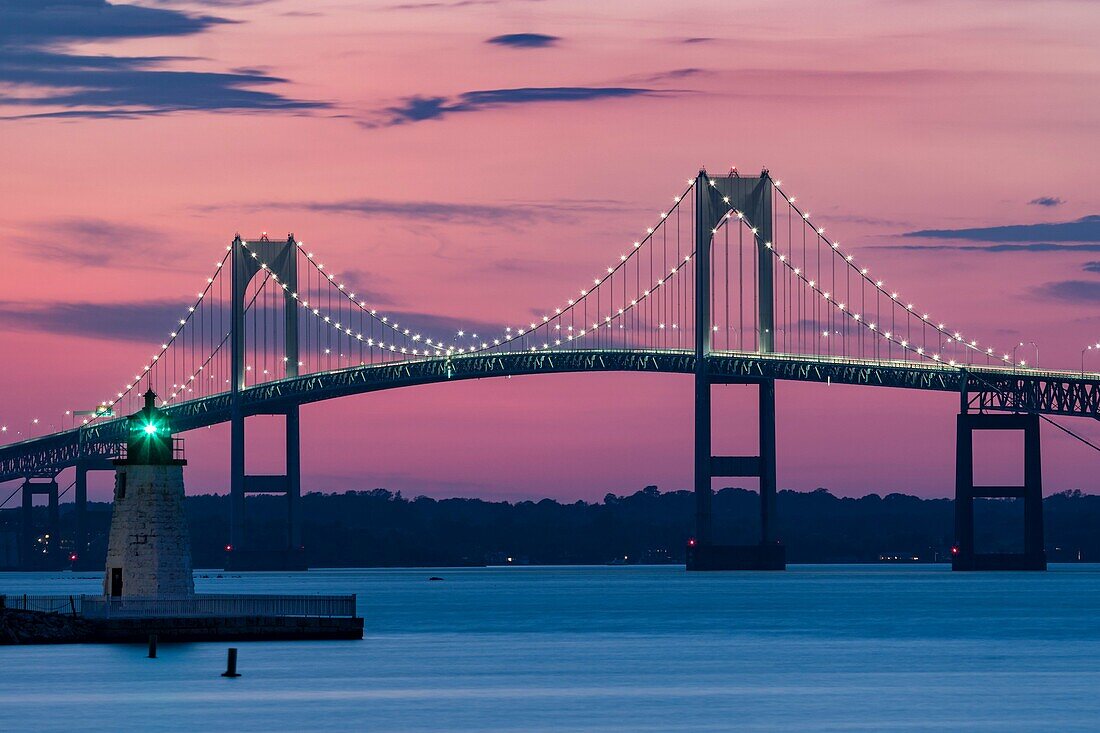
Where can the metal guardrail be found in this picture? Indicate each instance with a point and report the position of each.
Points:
(43, 604)
(196, 606)
(179, 449)
(218, 605)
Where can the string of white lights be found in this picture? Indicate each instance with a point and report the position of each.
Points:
(879, 285)
(344, 329)
(828, 297)
(443, 349)
(612, 316)
(586, 291)
(618, 314)
(172, 336)
(185, 384)
(382, 319)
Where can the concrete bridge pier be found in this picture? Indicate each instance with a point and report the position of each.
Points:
(963, 554)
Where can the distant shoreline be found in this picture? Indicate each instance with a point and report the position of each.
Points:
(383, 529)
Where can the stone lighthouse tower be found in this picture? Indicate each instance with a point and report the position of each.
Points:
(149, 551)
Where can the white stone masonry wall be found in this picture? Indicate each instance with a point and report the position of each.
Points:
(149, 538)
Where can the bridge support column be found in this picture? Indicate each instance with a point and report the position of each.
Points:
(236, 481)
(36, 555)
(81, 541)
(704, 492)
(80, 536)
(963, 554)
(26, 529)
(280, 257)
(769, 532)
(293, 480)
(241, 555)
(703, 553)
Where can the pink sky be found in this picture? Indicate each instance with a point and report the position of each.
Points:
(882, 117)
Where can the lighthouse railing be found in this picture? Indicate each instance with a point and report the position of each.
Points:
(219, 605)
(41, 603)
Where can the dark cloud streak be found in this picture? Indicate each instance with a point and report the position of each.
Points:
(448, 4)
(30, 24)
(91, 243)
(149, 321)
(213, 3)
(670, 75)
(992, 248)
(146, 322)
(523, 211)
(356, 280)
(1070, 291)
(1085, 229)
(524, 40)
(420, 108)
(32, 35)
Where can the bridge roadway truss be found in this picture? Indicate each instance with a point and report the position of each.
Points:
(987, 389)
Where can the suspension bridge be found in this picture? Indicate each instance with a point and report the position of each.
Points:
(732, 283)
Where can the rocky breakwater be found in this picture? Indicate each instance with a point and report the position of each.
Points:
(35, 627)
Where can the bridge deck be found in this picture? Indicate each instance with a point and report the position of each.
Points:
(989, 388)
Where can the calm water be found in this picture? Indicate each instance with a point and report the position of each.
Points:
(605, 649)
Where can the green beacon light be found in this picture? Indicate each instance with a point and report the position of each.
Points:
(150, 435)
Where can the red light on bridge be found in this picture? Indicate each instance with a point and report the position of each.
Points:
(955, 550)
(691, 542)
(72, 557)
(229, 548)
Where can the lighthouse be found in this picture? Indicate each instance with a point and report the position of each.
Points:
(149, 551)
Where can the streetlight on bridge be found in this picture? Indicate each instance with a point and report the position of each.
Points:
(1091, 347)
(1024, 363)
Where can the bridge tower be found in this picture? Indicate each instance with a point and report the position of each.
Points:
(963, 554)
(248, 259)
(713, 198)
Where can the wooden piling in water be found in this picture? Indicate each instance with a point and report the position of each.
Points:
(231, 663)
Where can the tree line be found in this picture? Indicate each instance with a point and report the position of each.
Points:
(381, 528)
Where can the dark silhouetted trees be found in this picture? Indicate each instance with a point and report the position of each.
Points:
(381, 528)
